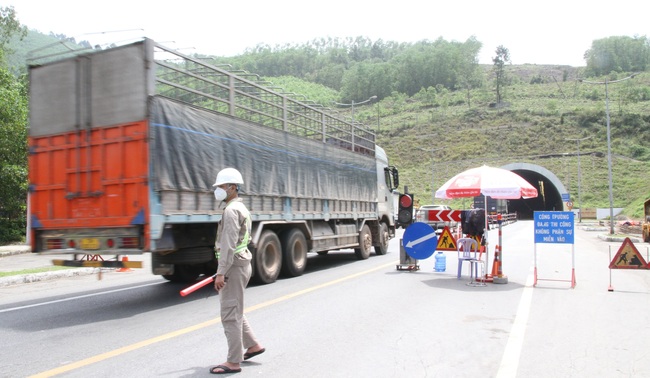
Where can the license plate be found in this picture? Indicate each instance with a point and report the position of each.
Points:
(90, 243)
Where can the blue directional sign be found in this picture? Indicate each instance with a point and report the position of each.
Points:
(554, 227)
(420, 240)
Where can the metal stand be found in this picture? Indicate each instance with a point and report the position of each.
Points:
(476, 266)
(406, 262)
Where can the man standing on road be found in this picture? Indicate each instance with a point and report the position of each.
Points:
(233, 272)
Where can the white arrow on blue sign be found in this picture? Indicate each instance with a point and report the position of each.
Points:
(420, 240)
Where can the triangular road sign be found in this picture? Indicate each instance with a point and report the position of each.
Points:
(446, 241)
(628, 257)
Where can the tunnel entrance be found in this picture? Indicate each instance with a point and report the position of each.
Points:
(549, 187)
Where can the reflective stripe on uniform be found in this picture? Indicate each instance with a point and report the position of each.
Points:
(241, 247)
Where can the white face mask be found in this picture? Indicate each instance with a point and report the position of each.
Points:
(220, 194)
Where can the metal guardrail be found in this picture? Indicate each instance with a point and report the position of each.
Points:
(197, 83)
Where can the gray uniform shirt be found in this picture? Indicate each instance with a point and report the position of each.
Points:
(232, 230)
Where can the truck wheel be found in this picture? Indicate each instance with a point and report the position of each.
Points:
(382, 248)
(365, 242)
(294, 253)
(268, 258)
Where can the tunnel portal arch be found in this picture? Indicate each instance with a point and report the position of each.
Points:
(551, 190)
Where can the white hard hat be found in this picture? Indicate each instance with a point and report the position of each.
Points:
(228, 176)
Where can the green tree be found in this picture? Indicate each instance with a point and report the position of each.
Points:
(410, 65)
(13, 138)
(500, 60)
(468, 70)
(9, 27)
(330, 75)
(367, 79)
(617, 54)
(430, 64)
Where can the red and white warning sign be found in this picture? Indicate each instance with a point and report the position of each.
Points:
(628, 257)
(444, 215)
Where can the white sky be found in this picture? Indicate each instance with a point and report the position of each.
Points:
(539, 32)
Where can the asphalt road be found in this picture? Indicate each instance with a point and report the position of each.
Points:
(348, 318)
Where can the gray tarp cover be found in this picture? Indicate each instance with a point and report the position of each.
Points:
(189, 147)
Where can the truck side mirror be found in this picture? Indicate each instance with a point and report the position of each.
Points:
(392, 177)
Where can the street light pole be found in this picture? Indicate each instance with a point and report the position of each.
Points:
(579, 177)
(609, 147)
(355, 103)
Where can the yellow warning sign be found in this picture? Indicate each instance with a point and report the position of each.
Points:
(446, 241)
(628, 257)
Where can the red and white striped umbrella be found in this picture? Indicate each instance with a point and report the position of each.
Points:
(492, 182)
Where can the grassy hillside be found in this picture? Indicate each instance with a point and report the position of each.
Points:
(533, 127)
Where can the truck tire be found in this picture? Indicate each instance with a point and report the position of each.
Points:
(294, 253)
(268, 258)
(365, 242)
(382, 247)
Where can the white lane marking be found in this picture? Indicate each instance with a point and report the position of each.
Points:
(78, 297)
(512, 352)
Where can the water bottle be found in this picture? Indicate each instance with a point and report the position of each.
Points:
(441, 262)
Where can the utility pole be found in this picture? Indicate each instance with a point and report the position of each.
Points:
(579, 177)
(609, 146)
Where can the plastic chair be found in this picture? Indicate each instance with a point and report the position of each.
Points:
(474, 266)
(467, 251)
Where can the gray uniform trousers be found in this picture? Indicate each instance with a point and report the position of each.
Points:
(238, 333)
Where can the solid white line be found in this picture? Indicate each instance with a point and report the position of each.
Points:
(512, 352)
(78, 297)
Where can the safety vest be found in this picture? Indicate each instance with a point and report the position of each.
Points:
(241, 247)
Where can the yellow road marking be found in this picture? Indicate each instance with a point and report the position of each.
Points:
(180, 332)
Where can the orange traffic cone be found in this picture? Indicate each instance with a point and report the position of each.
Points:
(123, 268)
(497, 269)
(497, 262)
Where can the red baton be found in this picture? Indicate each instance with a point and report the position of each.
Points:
(197, 286)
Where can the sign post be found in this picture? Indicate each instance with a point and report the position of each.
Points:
(555, 227)
(418, 242)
